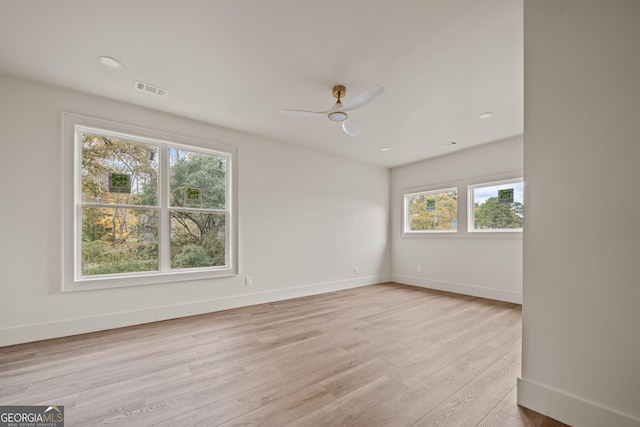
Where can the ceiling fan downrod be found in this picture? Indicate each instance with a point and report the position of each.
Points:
(338, 116)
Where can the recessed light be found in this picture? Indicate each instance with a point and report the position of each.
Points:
(385, 149)
(110, 62)
(486, 115)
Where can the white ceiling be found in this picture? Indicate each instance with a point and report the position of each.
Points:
(235, 63)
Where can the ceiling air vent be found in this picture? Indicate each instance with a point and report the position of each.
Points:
(149, 88)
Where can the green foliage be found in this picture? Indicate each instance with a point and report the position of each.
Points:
(122, 267)
(101, 257)
(120, 240)
(493, 215)
(95, 251)
(444, 216)
(92, 224)
(102, 155)
(197, 229)
(192, 256)
(194, 170)
(215, 246)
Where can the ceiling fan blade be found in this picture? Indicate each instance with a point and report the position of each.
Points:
(304, 113)
(363, 98)
(351, 129)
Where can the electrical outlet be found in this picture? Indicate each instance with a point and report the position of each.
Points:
(248, 281)
(419, 269)
(356, 269)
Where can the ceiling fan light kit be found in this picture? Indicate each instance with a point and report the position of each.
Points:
(338, 116)
(339, 113)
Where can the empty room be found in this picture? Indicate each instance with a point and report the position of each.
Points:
(303, 213)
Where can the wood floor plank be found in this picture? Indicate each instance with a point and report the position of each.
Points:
(95, 414)
(350, 380)
(10, 389)
(381, 355)
(401, 354)
(508, 339)
(470, 404)
(197, 407)
(131, 385)
(524, 416)
(479, 359)
(414, 403)
(348, 408)
(284, 359)
(418, 369)
(283, 411)
(184, 384)
(498, 418)
(457, 326)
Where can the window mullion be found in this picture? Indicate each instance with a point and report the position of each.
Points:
(164, 228)
(117, 206)
(77, 196)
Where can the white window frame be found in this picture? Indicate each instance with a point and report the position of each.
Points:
(72, 279)
(470, 206)
(408, 195)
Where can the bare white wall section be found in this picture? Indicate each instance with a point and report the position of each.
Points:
(581, 322)
(486, 265)
(305, 220)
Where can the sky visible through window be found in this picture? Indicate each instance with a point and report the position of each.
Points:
(481, 195)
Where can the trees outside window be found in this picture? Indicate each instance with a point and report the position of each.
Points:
(431, 211)
(119, 205)
(497, 206)
(145, 206)
(490, 207)
(197, 201)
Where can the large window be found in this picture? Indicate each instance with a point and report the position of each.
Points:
(431, 211)
(496, 206)
(147, 208)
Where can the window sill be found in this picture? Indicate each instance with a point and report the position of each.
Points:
(142, 279)
(465, 235)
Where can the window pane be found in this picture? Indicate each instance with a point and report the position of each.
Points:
(197, 239)
(118, 171)
(197, 180)
(498, 207)
(433, 211)
(119, 240)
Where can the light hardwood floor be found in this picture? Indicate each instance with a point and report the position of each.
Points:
(383, 355)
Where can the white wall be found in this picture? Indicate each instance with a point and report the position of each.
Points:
(483, 265)
(581, 322)
(306, 219)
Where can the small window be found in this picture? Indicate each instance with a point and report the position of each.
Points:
(147, 210)
(431, 211)
(496, 206)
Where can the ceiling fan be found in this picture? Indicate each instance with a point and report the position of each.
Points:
(340, 113)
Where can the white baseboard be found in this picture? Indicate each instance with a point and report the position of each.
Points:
(62, 328)
(459, 288)
(570, 409)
